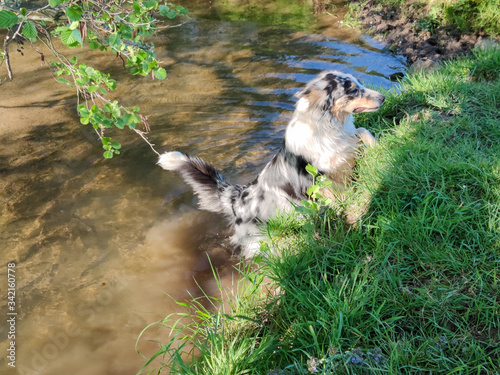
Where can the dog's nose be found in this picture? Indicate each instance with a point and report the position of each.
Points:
(381, 98)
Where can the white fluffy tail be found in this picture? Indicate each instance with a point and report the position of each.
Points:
(206, 181)
(172, 161)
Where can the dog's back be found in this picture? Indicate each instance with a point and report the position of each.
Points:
(244, 205)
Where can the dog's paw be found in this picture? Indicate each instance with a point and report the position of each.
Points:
(172, 161)
(367, 137)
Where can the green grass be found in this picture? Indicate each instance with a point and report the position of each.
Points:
(473, 15)
(414, 287)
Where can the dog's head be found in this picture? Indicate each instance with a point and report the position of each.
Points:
(339, 94)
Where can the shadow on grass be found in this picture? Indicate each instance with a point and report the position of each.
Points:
(417, 279)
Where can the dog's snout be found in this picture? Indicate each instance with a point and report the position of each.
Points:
(381, 98)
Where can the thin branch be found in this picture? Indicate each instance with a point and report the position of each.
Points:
(6, 42)
(142, 134)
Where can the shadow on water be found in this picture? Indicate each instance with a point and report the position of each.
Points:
(99, 243)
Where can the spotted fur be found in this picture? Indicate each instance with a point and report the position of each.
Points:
(321, 133)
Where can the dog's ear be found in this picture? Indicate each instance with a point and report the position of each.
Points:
(304, 92)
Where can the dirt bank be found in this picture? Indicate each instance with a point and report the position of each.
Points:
(411, 31)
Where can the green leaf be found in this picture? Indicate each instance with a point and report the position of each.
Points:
(326, 183)
(181, 10)
(105, 140)
(61, 29)
(137, 7)
(65, 81)
(82, 81)
(74, 13)
(106, 122)
(77, 36)
(66, 37)
(93, 45)
(114, 40)
(71, 38)
(311, 170)
(312, 189)
(82, 109)
(74, 25)
(23, 11)
(128, 118)
(108, 154)
(54, 3)
(116, 145)
(163, 9)
(120, 123)
(111, 84)
(116, 112)
(92, 89)
(303, 210)
(103, 90)
(150, 4)
(160, 73)
(73, 60)
(29, 31)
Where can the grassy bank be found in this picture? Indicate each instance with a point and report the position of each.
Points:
(428, 29)
(468, 16)
(413, 288)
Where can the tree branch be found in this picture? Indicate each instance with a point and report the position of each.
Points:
(6, 42)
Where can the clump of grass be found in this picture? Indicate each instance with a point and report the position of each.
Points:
(414, 287)
(350, 18)
(474, 15)
(427, 23)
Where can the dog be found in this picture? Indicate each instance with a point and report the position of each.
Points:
(321, 133)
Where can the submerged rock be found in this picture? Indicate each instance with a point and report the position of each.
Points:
(423, 66)
(486, 43)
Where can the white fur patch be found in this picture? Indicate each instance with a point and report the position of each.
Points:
(302, 104)
(172, 161)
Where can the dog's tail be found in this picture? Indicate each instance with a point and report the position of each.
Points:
(214, 192)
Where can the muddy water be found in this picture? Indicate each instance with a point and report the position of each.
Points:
(103, 247)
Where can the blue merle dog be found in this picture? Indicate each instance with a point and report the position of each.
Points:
(321, 133)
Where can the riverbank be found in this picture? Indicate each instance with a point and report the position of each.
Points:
(413, 288)
(428, 30)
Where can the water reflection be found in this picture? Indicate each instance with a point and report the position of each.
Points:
(102, 244)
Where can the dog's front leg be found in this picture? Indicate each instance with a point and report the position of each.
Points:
(367, 137)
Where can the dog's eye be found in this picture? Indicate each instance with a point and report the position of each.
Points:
(353, 91)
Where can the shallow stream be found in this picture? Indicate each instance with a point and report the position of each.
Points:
(104, 247)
